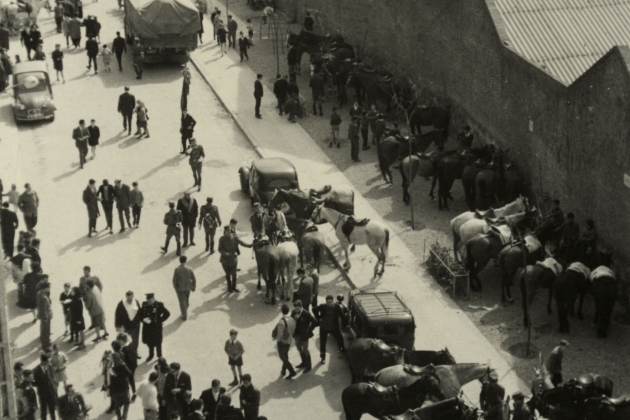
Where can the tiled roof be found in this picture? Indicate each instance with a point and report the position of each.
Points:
(565, 37)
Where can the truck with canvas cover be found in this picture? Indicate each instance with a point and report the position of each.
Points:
(167, 29)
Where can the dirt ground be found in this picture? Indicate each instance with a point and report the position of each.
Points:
(502, 325)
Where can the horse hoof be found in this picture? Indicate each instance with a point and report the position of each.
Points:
(273, 301)
(259, 287)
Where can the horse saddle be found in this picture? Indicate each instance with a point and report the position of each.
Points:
(380, 347)
(264, 240)
(349, 225)
(502, 232)
(619, 401)
(419, 371)
(483, 214)
(312, 228)
(532, 244)
(553, 265)
(385, 392)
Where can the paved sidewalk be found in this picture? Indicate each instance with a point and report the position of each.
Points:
(440, 323)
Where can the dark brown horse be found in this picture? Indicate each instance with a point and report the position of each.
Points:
(378, 87)
(438, 117)
(311, 243)
(396, 148)
(268, 263)
(531, 278)
(451, 409)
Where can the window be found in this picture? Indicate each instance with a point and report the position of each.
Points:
(31, 82)
(390, 329)
(278, 183)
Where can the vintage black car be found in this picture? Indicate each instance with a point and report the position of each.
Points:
(265, 176)
(378, 313)
(32, 92)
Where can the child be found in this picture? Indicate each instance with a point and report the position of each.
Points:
(106, 53)
(58, 360)
(234, 349)
(250, 32)
(65, 299)
(57, 58)
(335, 122)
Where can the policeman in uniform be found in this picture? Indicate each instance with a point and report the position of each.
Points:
(26, 397)
(210, 219)
(173, 220)
(521, 410)
(153, 314)
(491, 396)
(259, 220)
(197, 155)
(228, 248)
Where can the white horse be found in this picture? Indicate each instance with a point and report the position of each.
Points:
(465, 226)
(289, 254)
(373, 234)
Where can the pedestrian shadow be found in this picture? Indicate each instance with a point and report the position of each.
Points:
(67, 174)
(281, 388)
(130, 141)
(113, 139)
(216, 163)
(94, 242)
(162, 261)
(171, 162)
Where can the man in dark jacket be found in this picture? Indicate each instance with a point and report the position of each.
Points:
(280, 88)
(123, 201)
(126, 105)
(187, 129)
(210, 398)
(90, 198)
(232, 27)
(119, 46)
(91, 46)
(305, 289)
(176, 384)
(9, 223)
(329, 317)
(210, 219)
(243, 46)
(26, 397)
(317, 86)
(250, 398)
(225, 410)
(46, 387)
(127, 318)
(81, 135)
(258, 93)
(153, 314)
(353, 136)
(189, 209)
(305, 323)
(309, 22)
(107, 195)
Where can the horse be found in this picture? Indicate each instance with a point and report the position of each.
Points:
(288, 252)
(604, 285)
(438, 117)
(396, 148)
(568, 285)
(378, 87)
(480, 225)
(451, 409)
(424, 166)
(607, 408)
(367, 356)
(513, 180)
(339, 198)
(311, 244)
(452, 377)
(376, 400)
(470, 172)
(350, 231)
(541, 275)
(298, 203)
(268, 263)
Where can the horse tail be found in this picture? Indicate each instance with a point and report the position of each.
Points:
(386, 245)
(316, 256)
(470, 261)
(382, 161)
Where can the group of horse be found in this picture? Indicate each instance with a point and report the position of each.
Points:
(515, 237)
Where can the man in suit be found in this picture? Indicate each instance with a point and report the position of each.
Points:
(258, 93)
(126, 105)
(225, 410)
(91, 46)
(46, 387)
(189, 209)
(44, 311)
(232, 27)
(137, 201)
(153, 314)
(184, 282)
(329, 317)
(26, 397)
(187, 129)
(353, 136)
(127, 318)
(119, 46)
(305, 323)
(9, 223)
(197, 154)
(106, 195)
(123, 201)
(81, 136)
(280, 89)
(176, 384)
(250, 398)
(210, 398)
(304, 292)
(210, 219)
(28, 203)
(90, 198)
(318, 88)
(243, 46)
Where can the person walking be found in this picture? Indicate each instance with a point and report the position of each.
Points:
(137, 201)
(232, 27)
(77, 323)
(94, 304)
(57, 58)
(221, 37)
(14, 197)
(81, 136)
(130, 357)
(365, 127)
(521, 410)
(74, 27)
(187, 129)
(184, 282)
(64, 298)
(90, 198)
(250, 32)
(304, 292)
(280, 88)
(258, 93)
(214, 18)
(228, 248)
(305, 323)
(26, 41)
(148, 394)
(107, 56)
(126, 106)
(91, 46)
(119, 46)
(197, 155)
(372, 115)
(177, 383)
(210, 219)
(329, 316)
(138, 58)
(59, 12)
(123, 201)
(379, 129)
(243, 46)
(119, 388)
(127, 318)
(142, 119)
(185, 87)
(95, 134)
(235, 350)
(44, 380)
(335, 122)
(554, 363)
(44, 312)
(153, 314)
(353, 136)
(173, 220)
(250, 398)
(187, 205)
(318, 89)
(26, 397)
(9, 223)
(283, 334)
(66, 30)
(210, 398)
(107, 195)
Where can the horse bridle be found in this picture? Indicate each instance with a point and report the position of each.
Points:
(319, 210)
(485, 374)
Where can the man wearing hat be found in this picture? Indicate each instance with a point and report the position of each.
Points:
(189, 210)
(126, 105)
(209, 217)
(259, 220)
(554, 363)
(492, 394)
(173, 220)
(228, 248)
(90, 198)
(197, 155)
(153, 315)
(521, 410)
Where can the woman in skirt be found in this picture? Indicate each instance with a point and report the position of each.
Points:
(77, 324)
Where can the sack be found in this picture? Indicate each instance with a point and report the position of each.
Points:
(286, 334)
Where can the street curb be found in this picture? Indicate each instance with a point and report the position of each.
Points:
(260, 153)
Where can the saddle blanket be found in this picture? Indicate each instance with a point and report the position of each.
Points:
(602, 271)
(580, 268)
(551, 264)
(532, 244)
(503, 232)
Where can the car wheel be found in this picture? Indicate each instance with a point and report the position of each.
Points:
(52, 118)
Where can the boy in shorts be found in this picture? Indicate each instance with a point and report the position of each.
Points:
(234, 349)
